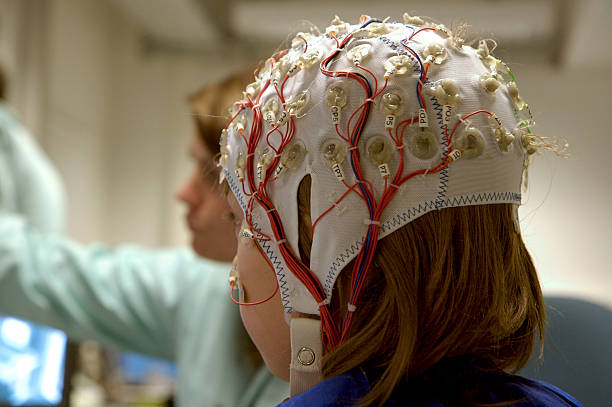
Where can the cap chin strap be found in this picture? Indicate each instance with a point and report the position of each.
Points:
(306, 354)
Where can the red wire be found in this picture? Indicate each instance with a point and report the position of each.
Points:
(422, 29)
(340, 135)
(376, 94)
(361, 108)
(305, 42)
(467, 116)
(234, 117)
(333, 35)
(261, 301)
(349, 189)
(421, 82)
(243, 189)
(372, 75)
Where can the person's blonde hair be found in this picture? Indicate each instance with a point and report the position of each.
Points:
(457, 282)
(210, 106)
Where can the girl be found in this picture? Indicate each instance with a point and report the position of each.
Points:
(376, 172)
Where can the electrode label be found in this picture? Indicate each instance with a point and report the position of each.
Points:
(260, 172)
(446, 114)
(338, 172)
(293, 70)
(335, 114)
(499, 123)
(389, 121)
(384, 170)
(247, 234)
(423, 121)
(278, 170)
(283, 119)
(455, 155)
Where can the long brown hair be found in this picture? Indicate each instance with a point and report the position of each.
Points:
(458, 282)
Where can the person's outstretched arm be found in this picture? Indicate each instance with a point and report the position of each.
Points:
(127, 298)
(29, 183)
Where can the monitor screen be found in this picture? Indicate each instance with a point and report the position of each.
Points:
(31, 363)
(137, 368)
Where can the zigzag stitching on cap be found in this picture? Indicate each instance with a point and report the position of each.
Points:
(282, 277)
(444, 178)
(403, 218)
(340, 261)
(422, 208)
(483, 197)
(232, 184)
(438, 108)
(283, 286)
(401, 51)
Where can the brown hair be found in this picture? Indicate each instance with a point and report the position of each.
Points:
(456, 283)
(210, 106)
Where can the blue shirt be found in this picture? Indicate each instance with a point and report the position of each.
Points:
(348, 388)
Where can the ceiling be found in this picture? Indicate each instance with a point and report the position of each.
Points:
(203, 25)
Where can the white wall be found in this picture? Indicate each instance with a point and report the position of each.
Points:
(114, 118)
(23, 29)
(78, 109)
(567, 220)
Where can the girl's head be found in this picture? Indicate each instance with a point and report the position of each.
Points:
(454, 282)
(377, 170)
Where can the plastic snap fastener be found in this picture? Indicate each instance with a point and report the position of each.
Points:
(306, 356)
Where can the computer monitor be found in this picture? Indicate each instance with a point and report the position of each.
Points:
(137, 368)
(32, 360)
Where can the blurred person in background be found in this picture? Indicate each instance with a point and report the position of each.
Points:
(168, 304)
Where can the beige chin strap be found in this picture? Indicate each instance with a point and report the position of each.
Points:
(306, 354)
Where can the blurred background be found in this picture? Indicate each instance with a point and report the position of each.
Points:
(102, 85)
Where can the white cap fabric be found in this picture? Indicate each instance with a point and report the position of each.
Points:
(485, 159)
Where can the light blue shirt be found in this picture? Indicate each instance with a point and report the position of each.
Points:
(29, 184)
(164, 303)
